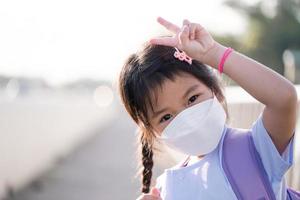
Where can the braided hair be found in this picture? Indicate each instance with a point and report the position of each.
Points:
(147, 162)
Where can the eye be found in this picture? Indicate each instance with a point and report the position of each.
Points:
(165, 118)
(193, 98)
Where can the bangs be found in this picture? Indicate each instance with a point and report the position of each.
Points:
(153, 86)
(146, 72)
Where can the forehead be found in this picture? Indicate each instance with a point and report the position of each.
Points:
(173, 89)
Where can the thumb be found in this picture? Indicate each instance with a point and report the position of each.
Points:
(155, 192)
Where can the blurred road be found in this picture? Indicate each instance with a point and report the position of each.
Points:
(102, 168)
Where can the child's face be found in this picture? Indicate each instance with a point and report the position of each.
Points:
(174, 97)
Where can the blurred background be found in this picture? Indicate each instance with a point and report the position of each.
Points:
(64, 133)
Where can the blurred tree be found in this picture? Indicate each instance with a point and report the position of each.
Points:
(274, 25)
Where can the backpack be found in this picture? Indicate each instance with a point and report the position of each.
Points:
(242, 164)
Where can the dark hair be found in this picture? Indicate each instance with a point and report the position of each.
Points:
(141, 75)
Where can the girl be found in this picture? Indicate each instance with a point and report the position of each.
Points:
(171, 92)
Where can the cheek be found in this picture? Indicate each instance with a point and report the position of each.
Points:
(159, 129)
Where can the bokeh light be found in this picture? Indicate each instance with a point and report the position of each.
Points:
(103, 96)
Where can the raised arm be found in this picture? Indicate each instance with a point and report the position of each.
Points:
(270, 88)
(267, 86)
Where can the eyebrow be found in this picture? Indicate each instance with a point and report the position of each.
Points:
(192, 88)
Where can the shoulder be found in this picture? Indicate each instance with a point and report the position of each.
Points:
(275, 163)
(161, 179)
(231, 139)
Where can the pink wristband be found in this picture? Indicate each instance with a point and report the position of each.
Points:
(223, 59)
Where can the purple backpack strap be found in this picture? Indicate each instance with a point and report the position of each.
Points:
(293, 195)
(243, 166)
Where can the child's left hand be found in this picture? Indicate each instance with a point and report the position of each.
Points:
(191, 38)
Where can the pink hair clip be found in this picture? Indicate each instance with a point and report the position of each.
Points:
(182, 56)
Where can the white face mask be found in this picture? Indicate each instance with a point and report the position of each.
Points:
(196, 130)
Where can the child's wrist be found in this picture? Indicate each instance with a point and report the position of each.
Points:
(214, 55)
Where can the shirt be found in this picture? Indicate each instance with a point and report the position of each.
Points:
(206, 179)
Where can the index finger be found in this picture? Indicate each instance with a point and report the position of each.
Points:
(170, 26)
